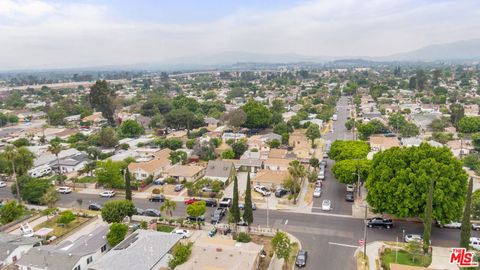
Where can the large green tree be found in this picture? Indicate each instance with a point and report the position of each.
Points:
(297, 171)
(282, 246)
(109, 174)
(55, 148)
(465, 233)
(341, 150)
(102, 98)
(116, 234)
(469, 124)
(107, 137)
(248, 212)
(345, 171)
(258, 115)
(17, 162)
(10, 211)
(117, 210)
(457, 112)
(234, 209)
(313, 133)
(128, 185)
(399, 179)
(131, 128)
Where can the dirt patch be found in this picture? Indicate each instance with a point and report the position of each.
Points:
(59, 230)
(267, 247)
(309, 194)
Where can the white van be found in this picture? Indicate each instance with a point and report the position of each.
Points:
(475, 242)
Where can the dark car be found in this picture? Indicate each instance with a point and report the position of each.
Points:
(152, 213)
(281, 192)
(301, 259)
(200, 218)
(95, 207)
(349, 197)
(379, 222)
(211, 202)
(157, 198)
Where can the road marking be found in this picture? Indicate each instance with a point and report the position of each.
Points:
(286, 222)
(342, 245)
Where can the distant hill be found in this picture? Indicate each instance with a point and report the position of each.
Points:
(461, 50)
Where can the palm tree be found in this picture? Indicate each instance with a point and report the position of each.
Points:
(50, 197)
(168, 207)
(55, 148)
(11, 154)
(297, 171)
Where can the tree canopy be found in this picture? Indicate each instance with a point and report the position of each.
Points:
(258, 116)
(117, 210)
(469, 124)
(345, 170)
(131, 128)
(102, 98)
(399, 179)
(341, 150)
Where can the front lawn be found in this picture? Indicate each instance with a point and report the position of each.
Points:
(59, 231)
(165, 228)
(86, 179)
(405, 258)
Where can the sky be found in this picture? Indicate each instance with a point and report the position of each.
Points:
(88, 33)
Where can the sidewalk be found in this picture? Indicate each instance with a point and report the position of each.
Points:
(372, 253)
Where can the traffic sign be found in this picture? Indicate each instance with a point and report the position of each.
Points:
(361, 242)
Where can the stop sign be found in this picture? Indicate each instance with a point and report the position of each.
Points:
(361, 242)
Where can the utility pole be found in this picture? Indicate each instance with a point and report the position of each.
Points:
(358, 179)
(268, 216)
(365, 237)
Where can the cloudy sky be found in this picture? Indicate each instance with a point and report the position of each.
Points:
(70, 33)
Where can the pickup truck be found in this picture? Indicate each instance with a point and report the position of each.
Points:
(379, 222)
(225, 202)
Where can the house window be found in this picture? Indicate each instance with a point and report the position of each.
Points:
(77, 268)
(89, 260)
(144, 175)
(104, 248)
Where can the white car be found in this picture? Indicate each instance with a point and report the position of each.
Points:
(350, 188)
(317, 192)
(451, 225)
(107, 194)
(326, 205)
(2, 184)
(476, 226)
(183, 233)
(262, 190)
(413, 237)
(64, 190)
(321, 175)
(475, 242)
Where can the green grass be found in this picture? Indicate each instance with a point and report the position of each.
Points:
(58, 230)
(404, 258)
(87, 179)
(165, 228)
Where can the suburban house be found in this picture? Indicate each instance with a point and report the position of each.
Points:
(76, 255)
(154, 167)
(186, 173)
(141, 250)
(412, 141)
(211, 122)
(380, 143)
(45, 158)
(250, 164)
(96, 118)
(13, 247)
(277, 164)
(220, 170)
(277, 153)
(299, 139)
(219, 253)
(179, 134)
(70, 164)
(460, 147)
(270, 179)
(233, 136)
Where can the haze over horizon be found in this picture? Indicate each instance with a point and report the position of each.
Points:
(86, 33)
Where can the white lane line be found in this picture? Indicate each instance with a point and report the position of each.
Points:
(286, 222)
(342, 245)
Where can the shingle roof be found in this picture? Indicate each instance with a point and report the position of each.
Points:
(218, 168)
(184, 170)
(9, 242)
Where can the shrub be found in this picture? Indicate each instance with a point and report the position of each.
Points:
(181, 252)
(66, 217)
(156, 191)
(243, 237)
(10, 211)
(171, 180)
(116, 234)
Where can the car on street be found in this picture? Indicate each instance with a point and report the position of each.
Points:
(2, 184)
(152, 213)
(326, 205)
(323, 163)
(191, 200)
(157, 198)
(350, 188)
(182, 232)
(413, 237)
(262, 190)
(242, 206)
(301, 259)
(225, 202)
(349, 197)
(280, 192)
(218, 214)
(319, 184)
(139, 211)
(179, 187)
(378, 222)
(451, 225)
(476, 226)
(317, 192)
(475, 242)
(64, 190)
(321, 175)
(95, 207)
(211, 202)
(200, 218)
(107, 194)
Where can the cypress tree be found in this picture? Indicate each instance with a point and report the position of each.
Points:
(128, 187)
(427, 220)
(248, 213)
(234, 209)
(465, 234)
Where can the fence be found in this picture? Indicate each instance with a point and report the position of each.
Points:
(258, 230)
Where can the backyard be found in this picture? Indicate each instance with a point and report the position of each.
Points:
(403, 257)
(58, 229)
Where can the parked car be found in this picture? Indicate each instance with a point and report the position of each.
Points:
(107, 194)
(211, 202)
(451, 225)
(413, 237)
(301, 259)
(476, 226)
(183, 233)
(242, 206)
(95, 207)
(349, 197)
(159, 181)
(280, 192)
(226, 202)
(475, 242)
(379, 222)
(191, 200)
(152, 213)
(157, 198)
(262, 190)
(140, 211)
(218, 214)
(350, 188)
(323, 163)
(326, 205)
(200, 218)
(319, 184)
(179, 187)
(64, 190)
(317, 192)
(212, 232)
(2, 184)
(321, 175)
